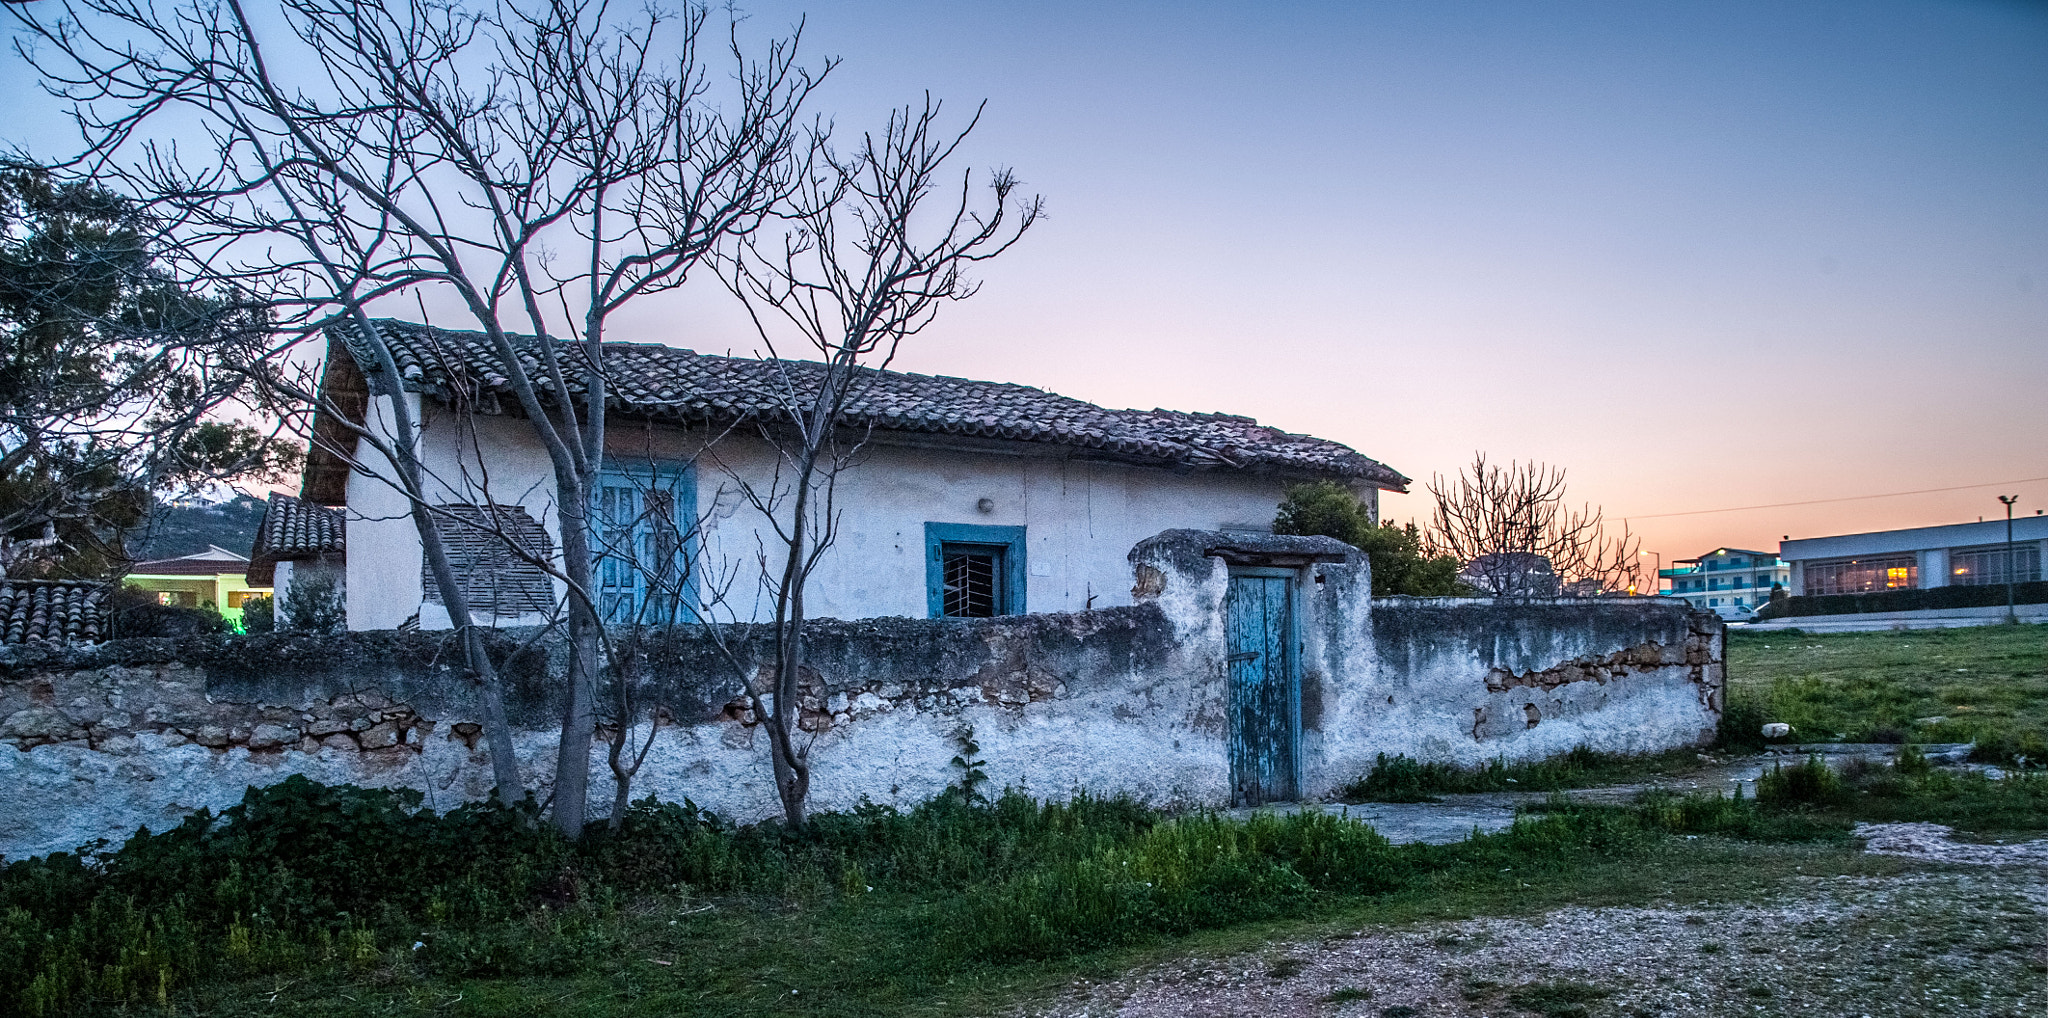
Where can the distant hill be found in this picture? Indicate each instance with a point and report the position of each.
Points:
(187, 528)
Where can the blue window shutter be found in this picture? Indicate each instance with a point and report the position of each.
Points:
(645, 545)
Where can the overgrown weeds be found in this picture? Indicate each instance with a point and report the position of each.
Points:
(351, 886)
(1809, 802)
(1401, 779)
(302, 876)
(308, 881)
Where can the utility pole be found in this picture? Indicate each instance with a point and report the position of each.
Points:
(2011, 613)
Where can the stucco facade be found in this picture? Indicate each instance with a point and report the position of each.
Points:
(1080, 515)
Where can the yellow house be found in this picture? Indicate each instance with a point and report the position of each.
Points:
(215, 576)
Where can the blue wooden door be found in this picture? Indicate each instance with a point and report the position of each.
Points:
(1265, 694)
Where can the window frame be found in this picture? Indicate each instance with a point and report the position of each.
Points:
(1011, 539)
(1823, 577)
(643, 475)
(2025, 571)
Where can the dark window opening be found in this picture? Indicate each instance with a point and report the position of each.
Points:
(973, 575)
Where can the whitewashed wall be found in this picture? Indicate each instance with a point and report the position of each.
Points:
(1081, 516)
(96, 740)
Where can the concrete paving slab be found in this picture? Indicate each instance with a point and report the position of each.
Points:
(1453, 818)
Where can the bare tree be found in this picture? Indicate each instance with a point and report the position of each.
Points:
(870, 247)
(1516, 536)
(537, 164)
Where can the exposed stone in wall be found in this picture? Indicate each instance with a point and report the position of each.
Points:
(97, 740)
(1622, 675)
(105, 709)
(1643, 658)
(307, 692)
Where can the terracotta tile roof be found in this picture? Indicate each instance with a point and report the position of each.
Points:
(66, 611)
(294, 529)
(670, 383)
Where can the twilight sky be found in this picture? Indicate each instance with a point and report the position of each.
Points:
(1703, 254)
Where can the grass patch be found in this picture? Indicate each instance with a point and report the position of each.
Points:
(349, 901)
(1985, 684)
(1809, 802)
(1401, 779)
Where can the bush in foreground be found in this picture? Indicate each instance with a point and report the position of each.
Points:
(302, 880)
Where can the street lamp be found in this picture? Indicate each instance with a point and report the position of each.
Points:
(2011, 613)
(1657, 579)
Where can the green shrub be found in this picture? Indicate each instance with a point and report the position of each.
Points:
(1735, 817)
(1967, 801)
(1400, 779)
(2016, 749)
(259, 614)
(1399, 563)
(1742, 724)
(314, 603)
(1185, 874)
(1810, 783)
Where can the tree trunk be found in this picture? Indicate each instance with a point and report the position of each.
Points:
(579, 708)
(497, 728)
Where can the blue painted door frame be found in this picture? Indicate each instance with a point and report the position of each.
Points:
(1264, 698)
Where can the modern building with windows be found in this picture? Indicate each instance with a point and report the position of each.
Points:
(1731, 582)
(216, 577)
(1961, 554)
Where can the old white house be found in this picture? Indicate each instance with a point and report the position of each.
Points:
(968, 498)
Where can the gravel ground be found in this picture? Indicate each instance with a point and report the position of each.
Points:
(1966, 938)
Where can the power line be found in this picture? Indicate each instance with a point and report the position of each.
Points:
(1846, 498)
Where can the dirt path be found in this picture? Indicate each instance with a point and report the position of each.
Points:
(1963, 940)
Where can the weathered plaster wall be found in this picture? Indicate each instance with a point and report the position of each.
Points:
(1081, 516)
(1625, 676)
(95, 741)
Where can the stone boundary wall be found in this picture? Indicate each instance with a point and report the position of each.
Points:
(1527, 679)
(96, 741)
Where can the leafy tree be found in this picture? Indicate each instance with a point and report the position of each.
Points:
(1399, 565)
(113, 378)
(259, 615)
(313, 604)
